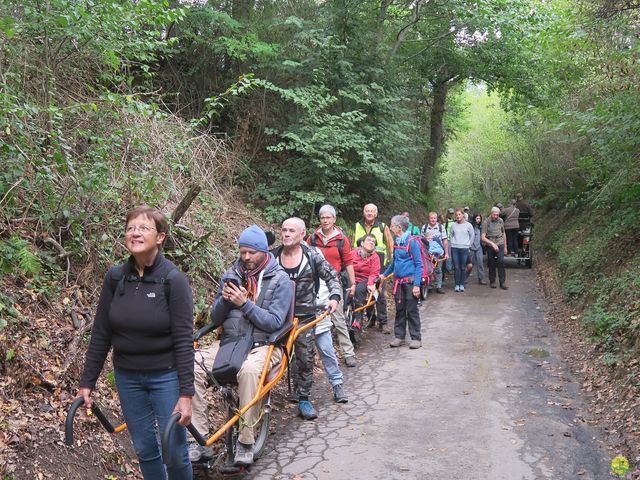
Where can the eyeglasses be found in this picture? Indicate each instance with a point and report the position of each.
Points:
(143, 229)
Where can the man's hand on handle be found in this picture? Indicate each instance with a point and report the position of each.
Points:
(332, 306)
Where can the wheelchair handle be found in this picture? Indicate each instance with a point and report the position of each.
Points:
(168, 431)
(68, 424)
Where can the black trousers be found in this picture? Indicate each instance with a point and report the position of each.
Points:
(406, 313)
(496, 260)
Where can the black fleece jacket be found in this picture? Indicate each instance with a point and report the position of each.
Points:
(147, 332)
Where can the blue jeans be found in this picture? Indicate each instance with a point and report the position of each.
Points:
(475, 257)
(460, 256)
(324, 342)
(147, 400)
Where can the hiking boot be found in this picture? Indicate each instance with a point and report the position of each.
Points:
(439, 290)
(338, 394)
(384, 329)
(396, 342)
(503, 286)
(482, 282)
(413, 344)
(493, 285)
(306, 410)
(244, 454)
(350, 361)
(198, 452)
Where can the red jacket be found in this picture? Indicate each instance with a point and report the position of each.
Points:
(366, 268)
(337, 259)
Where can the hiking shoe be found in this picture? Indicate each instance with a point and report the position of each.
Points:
(338, 394)
(456, 288)
(350, 361)
(413, 344)
(198, 452)
(306, 410)
(384, 329)
(461, 288)
(503, 286)
(396, 342)
(493, 285)
(482, 282)
(439, 290)
(244, 454)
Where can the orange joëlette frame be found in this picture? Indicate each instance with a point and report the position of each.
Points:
(370, 299)
(266, 387)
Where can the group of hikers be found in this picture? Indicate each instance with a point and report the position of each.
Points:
(145, 312)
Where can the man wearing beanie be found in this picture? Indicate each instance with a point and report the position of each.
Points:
(254, 293)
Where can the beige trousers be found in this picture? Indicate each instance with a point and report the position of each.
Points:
(339, 320)
(248, 378)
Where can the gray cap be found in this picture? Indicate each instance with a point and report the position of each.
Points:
(451, 210)
(466, 208)
(499, 205)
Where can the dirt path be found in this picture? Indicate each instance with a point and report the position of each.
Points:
(487, 397)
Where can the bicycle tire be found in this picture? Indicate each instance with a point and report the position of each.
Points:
(231, 435)
(262, 429)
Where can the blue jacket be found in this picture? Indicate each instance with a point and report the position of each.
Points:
(406, 263)
(267, 314)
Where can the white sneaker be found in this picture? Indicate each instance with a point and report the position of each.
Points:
(456, 288)
(198, 452)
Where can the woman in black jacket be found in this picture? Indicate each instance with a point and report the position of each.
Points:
(145, 313)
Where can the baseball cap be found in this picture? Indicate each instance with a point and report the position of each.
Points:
(466, 208)
(451, 210)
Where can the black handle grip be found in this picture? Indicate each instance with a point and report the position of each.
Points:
(198, 334)
(168, 430)
(68, 424)
(103, 420)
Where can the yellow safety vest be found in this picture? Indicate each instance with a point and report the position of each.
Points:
(377, 230)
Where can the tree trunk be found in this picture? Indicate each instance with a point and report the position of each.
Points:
(185, 203)
(436, 133)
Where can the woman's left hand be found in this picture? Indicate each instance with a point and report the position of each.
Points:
(183, 407)
(416, 291)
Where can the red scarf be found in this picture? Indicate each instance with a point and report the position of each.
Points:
(250, 278)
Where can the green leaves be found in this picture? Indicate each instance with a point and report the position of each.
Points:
(8, 26)
(16, 256)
